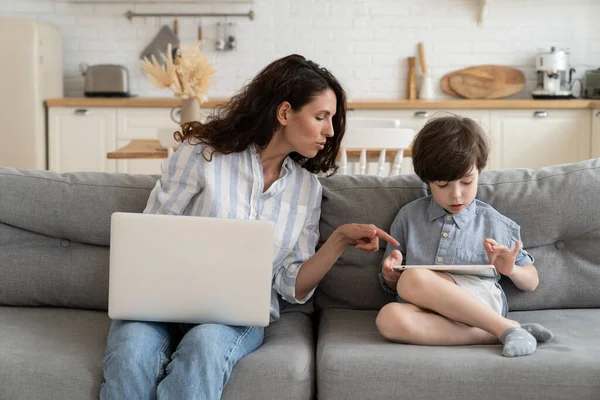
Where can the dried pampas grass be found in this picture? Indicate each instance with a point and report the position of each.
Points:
(189, 75)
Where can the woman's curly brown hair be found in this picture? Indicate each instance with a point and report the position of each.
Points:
(250, 117)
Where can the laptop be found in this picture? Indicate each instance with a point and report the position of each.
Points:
(173, 268)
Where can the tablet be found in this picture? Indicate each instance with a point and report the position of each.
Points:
(484, 271)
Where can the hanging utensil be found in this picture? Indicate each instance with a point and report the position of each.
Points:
(159, 44)
(220, 43)
(200, 40)
(231, 41)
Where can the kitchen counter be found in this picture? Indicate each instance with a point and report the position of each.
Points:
(447, 104)
(121, 102)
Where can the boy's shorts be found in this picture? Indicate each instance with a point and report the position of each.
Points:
(486, 290)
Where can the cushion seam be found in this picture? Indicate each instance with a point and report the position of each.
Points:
(74, 183)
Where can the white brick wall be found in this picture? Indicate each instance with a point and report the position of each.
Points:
(363, 42)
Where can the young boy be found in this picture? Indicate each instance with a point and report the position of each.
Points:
(452, 227)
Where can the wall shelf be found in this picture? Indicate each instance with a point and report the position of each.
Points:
(130, 15)
(161, 1)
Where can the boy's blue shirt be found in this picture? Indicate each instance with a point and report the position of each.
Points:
(429, 235)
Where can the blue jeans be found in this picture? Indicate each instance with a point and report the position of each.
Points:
(150, 360)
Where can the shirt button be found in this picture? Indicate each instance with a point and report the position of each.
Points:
(440, 259)
(445, 234)
(448, 217)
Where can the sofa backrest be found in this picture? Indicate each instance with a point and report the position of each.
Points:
(55, 228)
(55, 231)
(558, 209)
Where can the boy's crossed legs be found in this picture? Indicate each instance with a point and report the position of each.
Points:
(461, 318)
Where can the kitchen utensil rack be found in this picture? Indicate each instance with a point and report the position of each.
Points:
(130, 15)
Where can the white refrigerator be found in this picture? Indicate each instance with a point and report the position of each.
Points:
(30, 73)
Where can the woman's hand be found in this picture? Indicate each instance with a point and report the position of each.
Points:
(501, 256)
(391, 276)
(365, 236)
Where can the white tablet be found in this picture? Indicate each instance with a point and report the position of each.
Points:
(485, 271)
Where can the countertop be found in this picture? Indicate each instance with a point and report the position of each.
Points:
(446, 104)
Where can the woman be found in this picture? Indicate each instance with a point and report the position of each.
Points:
(256, 158)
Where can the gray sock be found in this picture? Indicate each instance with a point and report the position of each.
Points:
(517, 342)
(540, 333)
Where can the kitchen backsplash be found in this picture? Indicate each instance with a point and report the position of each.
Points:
(363, 42)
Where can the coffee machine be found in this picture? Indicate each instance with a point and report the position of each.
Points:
(554, 75)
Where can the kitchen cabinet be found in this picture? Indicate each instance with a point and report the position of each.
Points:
(416, 119)
(596, 133)
(521, 138)
(539, 138)
(78, 139)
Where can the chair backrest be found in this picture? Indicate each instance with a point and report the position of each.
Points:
(368, 122)
(381, 139)
(166, 139)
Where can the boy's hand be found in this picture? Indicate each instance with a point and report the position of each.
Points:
(501, 256)
(389, 275)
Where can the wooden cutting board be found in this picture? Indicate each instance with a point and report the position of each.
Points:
(483, 82)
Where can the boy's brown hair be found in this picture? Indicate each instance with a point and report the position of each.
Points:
(446, 148)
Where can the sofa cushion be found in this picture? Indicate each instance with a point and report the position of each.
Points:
(76, 206)
(283, 367)
(54, 233)
(51, 353)
(40, 270)
(352, 282)
(355, 362)
(557, 208)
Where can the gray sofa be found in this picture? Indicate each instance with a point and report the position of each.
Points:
(54, 237)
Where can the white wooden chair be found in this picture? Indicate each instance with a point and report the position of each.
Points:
(165, 137)
(381, 139)
(369, 122)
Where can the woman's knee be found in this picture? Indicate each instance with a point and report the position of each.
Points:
(205, 342)
(132, 343)
(138, 331)
(206, 334)
(215, 343)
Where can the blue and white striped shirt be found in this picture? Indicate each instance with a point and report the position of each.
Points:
(231, 186)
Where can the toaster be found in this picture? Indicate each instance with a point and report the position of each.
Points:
(105, 80)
